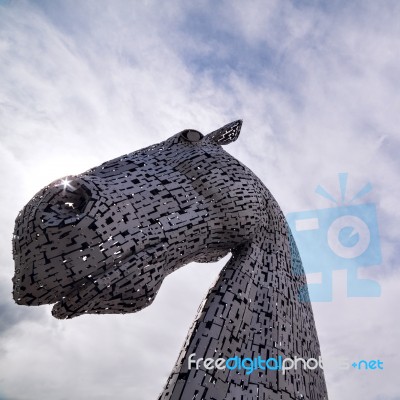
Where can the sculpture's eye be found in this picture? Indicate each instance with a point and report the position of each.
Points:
(191, 135)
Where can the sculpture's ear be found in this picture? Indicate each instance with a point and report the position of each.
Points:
(227, 134)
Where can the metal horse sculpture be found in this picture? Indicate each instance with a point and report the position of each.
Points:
(103, 241)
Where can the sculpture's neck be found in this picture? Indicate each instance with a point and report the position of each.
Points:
(253, 310)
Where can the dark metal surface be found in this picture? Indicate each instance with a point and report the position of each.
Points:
(103, 241)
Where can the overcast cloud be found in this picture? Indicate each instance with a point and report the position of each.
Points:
(82, 82)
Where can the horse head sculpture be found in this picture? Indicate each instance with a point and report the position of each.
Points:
(103, 241)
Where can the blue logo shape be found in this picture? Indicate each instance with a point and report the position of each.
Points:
(348, 236)
(345, 237)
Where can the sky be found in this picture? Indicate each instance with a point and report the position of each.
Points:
(317, 86)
